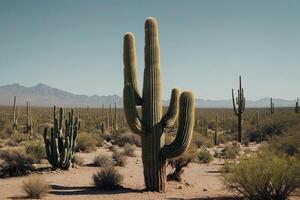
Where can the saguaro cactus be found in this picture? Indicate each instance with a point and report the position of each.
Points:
(29, 128)
(216, 130)
(115, 118)
(297, 106)
(152, 122)
(60, 146)
(272, 106)
(239, 108)
(15, 115)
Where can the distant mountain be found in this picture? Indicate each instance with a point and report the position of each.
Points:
(44, 95)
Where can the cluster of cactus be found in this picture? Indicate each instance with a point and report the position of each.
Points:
(239, 108)
(60, 145)
(15, 114)
(272, 106)
(297, 106)
(151, 124)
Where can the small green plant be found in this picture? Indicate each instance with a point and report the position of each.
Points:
(119, 158)
(86, 142)
(102, 161)
(264, 176)
(107, 179)
(16, 163)
(129, 150)
(35, 188)
(204, 156)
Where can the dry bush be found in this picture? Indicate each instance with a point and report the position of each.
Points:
(77, 161)
(107, 179)
(264, 176)
(231, 151)
(103, 161)
(177, 166)
(36, 149)
(85, 142)
(129, 150)
(35, 187)
(119, 158)
(123, 138)
(16, 162)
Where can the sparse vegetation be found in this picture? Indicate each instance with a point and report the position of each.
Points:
(102, 161)
(86, 142)
(16, 162)
(129, 150)
(119, 158)
(35, 187)
(36, 150)
(264, 176)
(204, 156)
(107, 179)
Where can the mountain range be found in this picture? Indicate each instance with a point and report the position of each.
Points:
(44, 95)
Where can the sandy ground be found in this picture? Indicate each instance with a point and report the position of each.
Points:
(204, 183)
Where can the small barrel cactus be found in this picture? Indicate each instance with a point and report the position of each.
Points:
(152, 122)
(60, 146)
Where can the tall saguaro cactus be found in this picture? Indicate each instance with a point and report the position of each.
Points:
(29, 128)
(152, 122)
(216, 130)
(60, 146)
(297, 106)
(272, 106)
(15, 114)
(239, 108)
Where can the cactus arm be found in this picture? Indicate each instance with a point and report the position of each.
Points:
(130, 66)
(233, 102)
(170, 116)
(185, 128)
(130, 109)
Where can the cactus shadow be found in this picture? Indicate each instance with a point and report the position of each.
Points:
(89, 190)
(209, 198)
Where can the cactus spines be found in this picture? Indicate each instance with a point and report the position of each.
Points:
(272, 106)
(15, 114)
(152, 122)
(239, 108)
(297, 106)
(60, 146)
(216, 130)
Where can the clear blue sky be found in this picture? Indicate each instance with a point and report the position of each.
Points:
(76, 45)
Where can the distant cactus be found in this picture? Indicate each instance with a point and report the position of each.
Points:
(15, 114)
(272, 106)
(297, 106)
(216, 130)
(239, 110)
(152, 122)
(115, 118)
(60, 146)
(29, 127)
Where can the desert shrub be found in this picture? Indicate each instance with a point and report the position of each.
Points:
(102, 161)
(113, 148)
(123, 138)
(129, 150)
(201, 141)
(119, 158)
(191, 153)
(264, 176)
(107, 179)
(85, 142)
(18, 137)
(204, 156)
(16, 162)
(231, 151)
(36, 150)
(35, 187)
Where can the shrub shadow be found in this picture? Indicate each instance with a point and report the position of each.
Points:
(89, 190)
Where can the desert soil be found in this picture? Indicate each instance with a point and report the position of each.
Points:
(202, 182)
